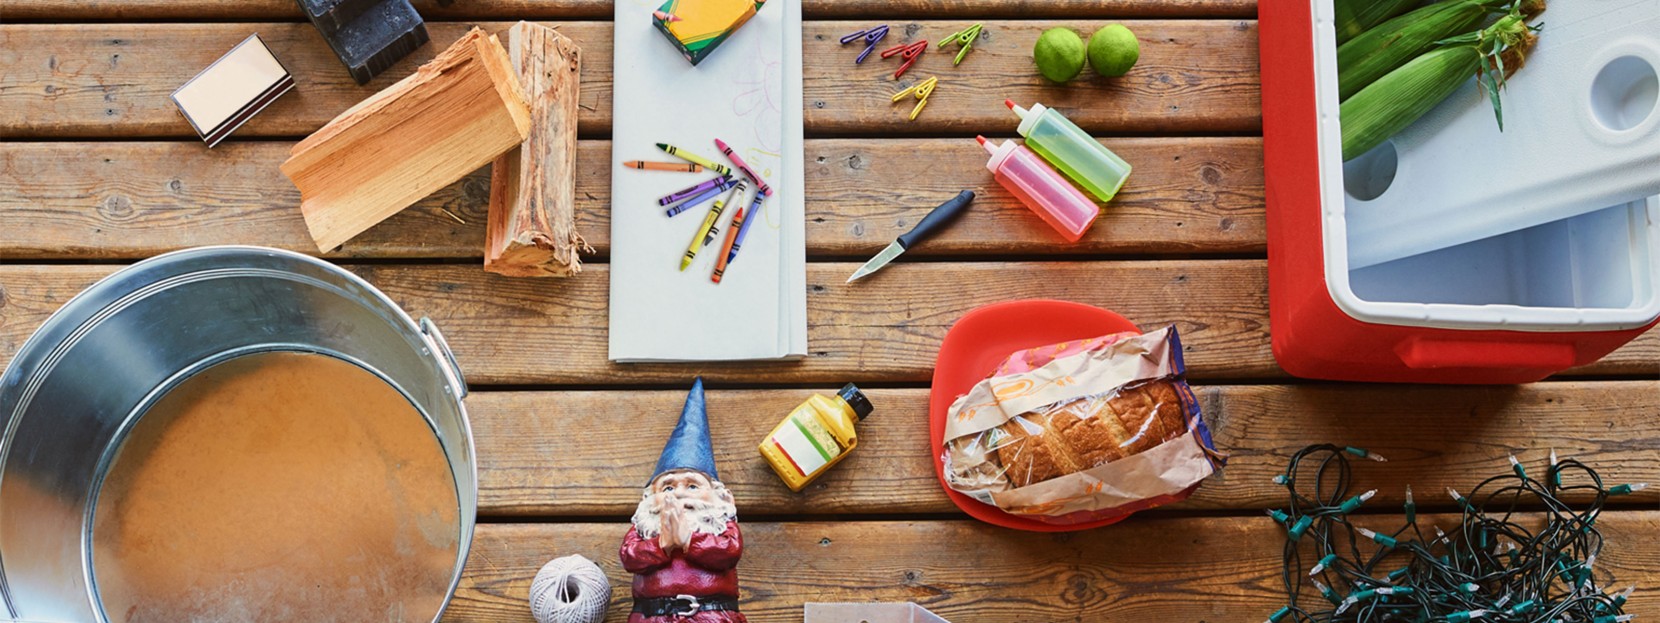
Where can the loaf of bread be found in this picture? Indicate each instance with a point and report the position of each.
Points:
(1083, 434)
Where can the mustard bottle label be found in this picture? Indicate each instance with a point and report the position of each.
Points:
(806, 444)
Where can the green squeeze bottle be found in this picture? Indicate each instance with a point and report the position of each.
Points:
(1072, 150)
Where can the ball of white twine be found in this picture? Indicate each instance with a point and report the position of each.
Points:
(571, 589)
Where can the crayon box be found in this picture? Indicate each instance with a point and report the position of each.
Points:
(703, 24)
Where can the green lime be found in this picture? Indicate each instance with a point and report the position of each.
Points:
(1059, 54)
(1113, 50)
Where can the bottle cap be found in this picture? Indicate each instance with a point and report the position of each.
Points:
(999, 153)
(857, 400)
(1028, 118)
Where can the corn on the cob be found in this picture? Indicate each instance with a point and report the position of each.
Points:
(1399, 98)
(1394, 101)
(1391, 44)
(1353, 17)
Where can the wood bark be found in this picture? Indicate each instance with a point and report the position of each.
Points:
(531, 230)
(452, 116)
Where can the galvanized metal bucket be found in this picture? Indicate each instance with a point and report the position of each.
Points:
(78, 386)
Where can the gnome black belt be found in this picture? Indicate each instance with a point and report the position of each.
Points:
(682, 605)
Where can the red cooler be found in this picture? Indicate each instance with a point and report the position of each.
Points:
(1513, 307)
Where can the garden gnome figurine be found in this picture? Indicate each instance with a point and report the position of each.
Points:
(684, 546)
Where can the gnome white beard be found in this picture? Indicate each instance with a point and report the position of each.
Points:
(695, 514)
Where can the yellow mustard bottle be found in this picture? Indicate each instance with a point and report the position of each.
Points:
(816, 436)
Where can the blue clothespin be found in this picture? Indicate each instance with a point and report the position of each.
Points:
(871, 36)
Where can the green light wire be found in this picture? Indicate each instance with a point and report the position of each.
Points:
(1490, 569)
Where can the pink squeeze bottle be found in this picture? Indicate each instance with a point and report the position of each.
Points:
(1042, 189)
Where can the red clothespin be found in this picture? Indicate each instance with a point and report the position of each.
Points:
(907, 52)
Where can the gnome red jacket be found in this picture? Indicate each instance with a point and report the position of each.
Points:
(706, 568)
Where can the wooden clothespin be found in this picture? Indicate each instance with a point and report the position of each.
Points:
(871, 36)
(965, 38)
(907, 52)
(921, 90)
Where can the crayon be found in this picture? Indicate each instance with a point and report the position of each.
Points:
(722, 183)
(706, 232)
(695, 159)
(760, 184)
(754, 213)
(667, 18)
(695, 201)
(726, 249)
(662, 166)
(734, 199)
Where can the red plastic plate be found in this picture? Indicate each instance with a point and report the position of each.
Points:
(974, 347)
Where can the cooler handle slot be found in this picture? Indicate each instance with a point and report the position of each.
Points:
(1422, 353)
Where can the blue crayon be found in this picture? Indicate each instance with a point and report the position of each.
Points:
(723, 181)
(695, 201)
(754, 215)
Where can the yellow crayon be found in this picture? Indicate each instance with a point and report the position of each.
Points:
(706, 232)
(695, 159)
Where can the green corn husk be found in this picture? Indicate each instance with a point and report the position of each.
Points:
(1353, 17)
(1391, 44)
(1393, 102)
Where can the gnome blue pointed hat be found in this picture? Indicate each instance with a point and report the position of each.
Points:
(689, 446)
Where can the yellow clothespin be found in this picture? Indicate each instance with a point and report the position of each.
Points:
(921, 90)
(965, 38)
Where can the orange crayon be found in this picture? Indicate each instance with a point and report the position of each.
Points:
(726, 249)
(646, 165)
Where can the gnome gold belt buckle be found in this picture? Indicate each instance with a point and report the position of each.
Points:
(692, 606)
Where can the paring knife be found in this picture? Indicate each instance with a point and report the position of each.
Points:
(930, 225)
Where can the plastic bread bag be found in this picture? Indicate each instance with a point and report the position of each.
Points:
(1081, 431)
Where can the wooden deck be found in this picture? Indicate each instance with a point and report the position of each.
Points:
(98, 170)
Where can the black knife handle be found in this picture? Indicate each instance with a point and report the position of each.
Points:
(937, 219)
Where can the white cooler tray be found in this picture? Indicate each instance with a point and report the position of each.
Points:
(1597, 271)
(1581, 133)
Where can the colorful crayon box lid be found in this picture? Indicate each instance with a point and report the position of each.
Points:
(703, 24)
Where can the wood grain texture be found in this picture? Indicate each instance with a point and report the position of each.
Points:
(1190, 569)
(531, 224)
(123, 200)
(1434, 438)
(885, 328)
(246, 10)
(114, 79)
(455, 114)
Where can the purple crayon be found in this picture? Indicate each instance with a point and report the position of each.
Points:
(723, 182)
(760, 184)
(695, 201)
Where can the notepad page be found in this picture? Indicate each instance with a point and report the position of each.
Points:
(737, 94)
(793, 313)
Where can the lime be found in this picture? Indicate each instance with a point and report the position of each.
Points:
(1113, 50)
(1059, 54)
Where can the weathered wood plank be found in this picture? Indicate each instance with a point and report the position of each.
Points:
(131, 200)
(885, 328)
(246, 10)
(1198, 569)
(66, 80)
(1434, 437)
(105, 80)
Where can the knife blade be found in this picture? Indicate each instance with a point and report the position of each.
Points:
(936, 220)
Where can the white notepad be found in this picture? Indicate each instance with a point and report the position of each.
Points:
(747, 93)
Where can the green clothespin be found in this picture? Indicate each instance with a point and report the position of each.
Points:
(965, 38)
